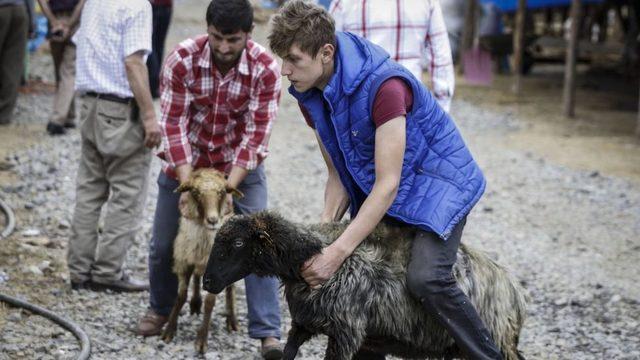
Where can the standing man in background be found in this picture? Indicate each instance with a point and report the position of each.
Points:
(118, 129)
(63, 17)
(410, 30)
(220, 94)
(16, 23)
(162, 10)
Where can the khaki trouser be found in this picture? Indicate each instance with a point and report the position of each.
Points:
(14, 25)
(64, 61)
(113, 170)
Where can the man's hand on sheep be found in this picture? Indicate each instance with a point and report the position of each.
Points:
(320, 268)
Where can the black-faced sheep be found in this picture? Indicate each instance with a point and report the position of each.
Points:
(366, 303)
(196, 233)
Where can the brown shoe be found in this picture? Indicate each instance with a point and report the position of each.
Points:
(271, 349)
(151, 324)
(125, 284)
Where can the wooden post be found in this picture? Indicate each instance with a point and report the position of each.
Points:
(569, 93)
(468, 32)
(638, 125)
(518, 46)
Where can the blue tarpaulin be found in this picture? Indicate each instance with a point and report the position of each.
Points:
(512, 5)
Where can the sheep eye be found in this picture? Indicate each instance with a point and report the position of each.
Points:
(238, 244)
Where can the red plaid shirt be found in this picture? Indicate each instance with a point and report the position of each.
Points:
(213, 121)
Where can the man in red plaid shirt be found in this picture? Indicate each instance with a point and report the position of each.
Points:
(219, 98)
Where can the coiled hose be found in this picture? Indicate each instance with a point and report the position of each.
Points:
(11, 220)
(85, 351)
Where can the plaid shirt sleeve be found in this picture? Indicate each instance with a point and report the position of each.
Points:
(336, 11)
(438, 57)
(263, 106)
(174, 104)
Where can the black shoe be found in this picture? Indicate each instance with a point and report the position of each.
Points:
(55, 129)
(82, 285)
(126, 284)
(70, 126)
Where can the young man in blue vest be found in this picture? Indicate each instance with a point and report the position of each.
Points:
(392, 155)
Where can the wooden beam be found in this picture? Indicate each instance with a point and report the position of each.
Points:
(569, 92)
(518, 46)
(468, 32)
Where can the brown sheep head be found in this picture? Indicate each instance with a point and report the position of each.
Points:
(208, 188)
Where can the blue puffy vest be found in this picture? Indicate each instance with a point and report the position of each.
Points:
(440, 181)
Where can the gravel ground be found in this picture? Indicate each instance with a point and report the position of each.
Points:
(570, 236)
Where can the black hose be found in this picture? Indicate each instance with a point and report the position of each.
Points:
(11, 220)
(85, 351)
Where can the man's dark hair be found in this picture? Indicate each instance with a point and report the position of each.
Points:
(230, 16)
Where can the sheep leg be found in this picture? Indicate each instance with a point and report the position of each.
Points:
(232, 321)
(172, 324)
(339, 350)
(297, 336)
(203, 332)
(345, 341)
(196, 300)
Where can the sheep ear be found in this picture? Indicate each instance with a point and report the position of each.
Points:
(237, 193)
(185, 186)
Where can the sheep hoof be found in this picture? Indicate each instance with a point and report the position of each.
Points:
(195, 306)
(168, 334)
(201, 345)
(232, 323)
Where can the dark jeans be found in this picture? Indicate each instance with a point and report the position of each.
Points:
(261, 292)
(430, 279)
(161, 20)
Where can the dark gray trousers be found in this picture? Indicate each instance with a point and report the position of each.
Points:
(14, 26)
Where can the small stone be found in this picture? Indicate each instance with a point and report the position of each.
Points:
(4, 277)
(30, 232)
(560, 302)
(38, 241)
(15, 316)
(44, 265)
(4, 166)
(33, 269)
(63, 224)
(582, 300)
